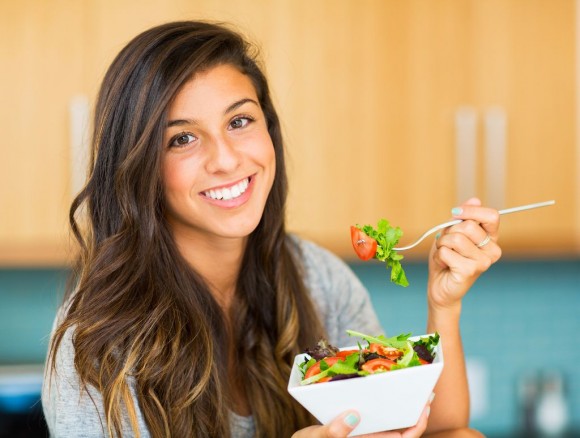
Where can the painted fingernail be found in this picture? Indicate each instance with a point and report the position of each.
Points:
(456, 211)
(431, 397)
(352, 419)
(437, 236)
(428, 410)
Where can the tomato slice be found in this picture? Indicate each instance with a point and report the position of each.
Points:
(377, 365)
(315, 368)
(344, 353)
(364, 246)
(389, 352)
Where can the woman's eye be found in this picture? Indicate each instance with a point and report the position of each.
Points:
(240, 122)
(183, 139)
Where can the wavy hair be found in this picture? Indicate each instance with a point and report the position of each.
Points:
(145, 325)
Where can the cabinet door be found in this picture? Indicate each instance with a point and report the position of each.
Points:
(41, 70)
(524, 55)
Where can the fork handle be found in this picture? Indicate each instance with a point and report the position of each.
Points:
(527, 207)
(456, 221)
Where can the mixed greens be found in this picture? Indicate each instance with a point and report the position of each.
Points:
(327, 363)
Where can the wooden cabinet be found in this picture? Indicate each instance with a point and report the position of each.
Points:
(42, 67)
(367, 91)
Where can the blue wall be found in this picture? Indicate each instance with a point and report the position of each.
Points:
(521, 317)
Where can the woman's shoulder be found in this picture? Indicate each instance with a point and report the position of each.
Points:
(316, 258)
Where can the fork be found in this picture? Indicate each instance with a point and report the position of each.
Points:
(456, 221)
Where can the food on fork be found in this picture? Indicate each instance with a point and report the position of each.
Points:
(379, 243)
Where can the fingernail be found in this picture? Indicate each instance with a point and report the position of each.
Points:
(352, 419)
(431, 397)
(428, 410)
(456, 211)
(437, 236)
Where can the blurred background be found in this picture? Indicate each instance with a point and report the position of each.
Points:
(391, 108)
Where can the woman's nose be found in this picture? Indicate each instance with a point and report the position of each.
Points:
(224, 156)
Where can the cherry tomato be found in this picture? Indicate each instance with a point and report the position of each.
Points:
(364, 246)
(390, 352)
(375, 365)
(315, 369)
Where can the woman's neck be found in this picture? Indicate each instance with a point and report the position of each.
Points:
(218, 262)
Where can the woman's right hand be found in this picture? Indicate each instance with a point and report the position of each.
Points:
(346, 422)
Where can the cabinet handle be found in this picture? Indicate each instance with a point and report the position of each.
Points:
(466, 152)
(79, 142)
(495, 156)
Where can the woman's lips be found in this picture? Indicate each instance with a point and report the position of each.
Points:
(231, 195)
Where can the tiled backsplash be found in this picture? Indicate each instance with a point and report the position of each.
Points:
(520, 318)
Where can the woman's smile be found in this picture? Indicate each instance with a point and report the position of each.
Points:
(229, 196)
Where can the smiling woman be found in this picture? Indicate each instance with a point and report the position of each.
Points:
(181, 226)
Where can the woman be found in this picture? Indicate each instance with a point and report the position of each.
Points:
(190, 299)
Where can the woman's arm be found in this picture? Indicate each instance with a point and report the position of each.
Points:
(455, 262)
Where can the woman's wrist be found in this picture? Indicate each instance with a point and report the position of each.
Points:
(443, 318)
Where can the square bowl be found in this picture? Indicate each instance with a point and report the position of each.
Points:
(385, 401)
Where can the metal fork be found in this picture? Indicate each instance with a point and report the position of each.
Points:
(456, 221)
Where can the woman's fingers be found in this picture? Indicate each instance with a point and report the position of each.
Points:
(487, 217)
(340, 427)
(419, 428)
(472, 243)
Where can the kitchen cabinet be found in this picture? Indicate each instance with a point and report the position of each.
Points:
(368, 94)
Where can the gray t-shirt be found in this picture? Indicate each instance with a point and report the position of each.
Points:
(339, 296)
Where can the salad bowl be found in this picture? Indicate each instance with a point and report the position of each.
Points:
(386, 401)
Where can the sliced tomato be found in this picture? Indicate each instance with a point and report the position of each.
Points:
(390, 352)
(315, 369)
(424, 362)
(344, 353)
(364, 246)
(376, 365)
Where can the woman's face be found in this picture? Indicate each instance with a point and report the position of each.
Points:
(218, 160)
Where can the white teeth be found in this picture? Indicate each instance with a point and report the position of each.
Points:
(230, 192)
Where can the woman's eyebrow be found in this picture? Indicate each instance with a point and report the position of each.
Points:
(229, 109)
(239, 103)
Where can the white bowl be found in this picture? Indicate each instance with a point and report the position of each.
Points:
(385, 401)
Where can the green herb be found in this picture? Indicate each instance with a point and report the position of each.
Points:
(387, 237)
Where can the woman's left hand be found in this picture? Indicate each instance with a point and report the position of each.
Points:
(461, 253)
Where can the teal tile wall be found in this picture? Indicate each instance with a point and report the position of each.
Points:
(520, 317)
(28, 302)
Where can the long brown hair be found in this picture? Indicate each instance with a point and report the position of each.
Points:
(141, 316)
